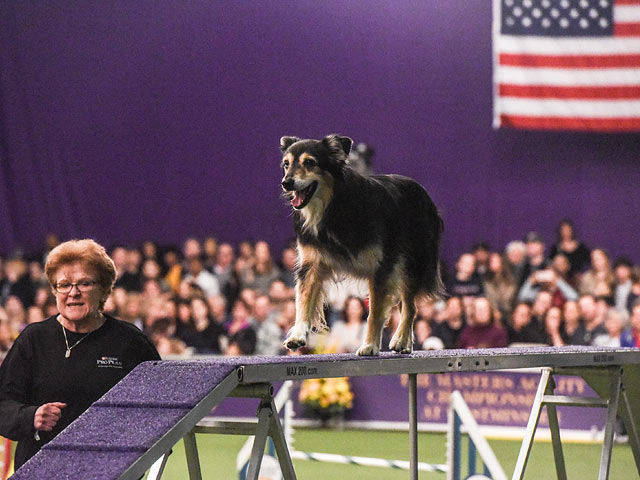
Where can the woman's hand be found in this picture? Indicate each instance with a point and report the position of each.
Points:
(47, 416)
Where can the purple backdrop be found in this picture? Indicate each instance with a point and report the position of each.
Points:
(158, 119)
(495, 398)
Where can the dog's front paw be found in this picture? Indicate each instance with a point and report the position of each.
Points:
(294, 343)
(368, 350)
(400, 345)
(296, 339)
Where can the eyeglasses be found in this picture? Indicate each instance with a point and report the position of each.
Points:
(82, 285)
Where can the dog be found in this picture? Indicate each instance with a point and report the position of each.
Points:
(382, 228)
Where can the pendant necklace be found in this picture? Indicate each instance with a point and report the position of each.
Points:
(68, 352)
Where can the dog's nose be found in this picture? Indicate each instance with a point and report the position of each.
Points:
(287, 184)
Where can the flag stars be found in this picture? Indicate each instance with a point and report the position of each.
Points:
(557, 17)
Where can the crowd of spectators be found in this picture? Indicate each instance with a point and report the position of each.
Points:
(207, 297)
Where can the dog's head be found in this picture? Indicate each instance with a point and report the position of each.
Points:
(311, 165)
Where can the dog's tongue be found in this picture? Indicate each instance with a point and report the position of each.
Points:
(296, 201)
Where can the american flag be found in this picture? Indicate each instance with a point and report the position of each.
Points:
(567, 64)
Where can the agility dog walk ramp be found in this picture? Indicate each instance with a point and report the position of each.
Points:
(159, 403)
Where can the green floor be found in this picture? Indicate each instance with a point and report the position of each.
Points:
(218, 456)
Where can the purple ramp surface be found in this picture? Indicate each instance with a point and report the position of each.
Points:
(168, 384)
(74, 465)
(121, 428)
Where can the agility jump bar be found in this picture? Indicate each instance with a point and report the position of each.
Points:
(141, 418)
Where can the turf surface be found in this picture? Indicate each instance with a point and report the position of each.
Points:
(218, 456)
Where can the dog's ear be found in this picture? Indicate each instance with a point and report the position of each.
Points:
(286, 142)
(343, 143)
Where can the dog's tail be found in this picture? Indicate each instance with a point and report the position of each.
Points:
(436, 288)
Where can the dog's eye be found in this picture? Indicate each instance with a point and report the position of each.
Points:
(309, 163)
(285, 164)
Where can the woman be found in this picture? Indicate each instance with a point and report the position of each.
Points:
(575, 251)
(263, 272)
(242, 335)
(523, 328)
(208, 331)
(598, 280)
(483, 331)
(572, 325)
(57, 368)
(500, 285)
(348, 334)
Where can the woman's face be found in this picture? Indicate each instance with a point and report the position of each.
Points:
(495, 262)
(184, 312)
(566, 231)
(614, 324)
(561, 264)
(482, 312)
(199, 308)
(353, 309)
(78, 306)
(262, 252)
(598, 260)
(521, 316)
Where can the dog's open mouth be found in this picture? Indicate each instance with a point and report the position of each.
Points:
(303, 197)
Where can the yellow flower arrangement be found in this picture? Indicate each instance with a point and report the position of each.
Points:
(327, 397)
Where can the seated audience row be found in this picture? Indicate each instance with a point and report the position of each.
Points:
(209, 298)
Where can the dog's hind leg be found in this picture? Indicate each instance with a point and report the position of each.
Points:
(380, 303)
(309, 304)
(402, 340)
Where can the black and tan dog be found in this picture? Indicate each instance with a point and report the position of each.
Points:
(383, 228)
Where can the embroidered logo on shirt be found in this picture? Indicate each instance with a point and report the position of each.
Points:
(109, 362)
